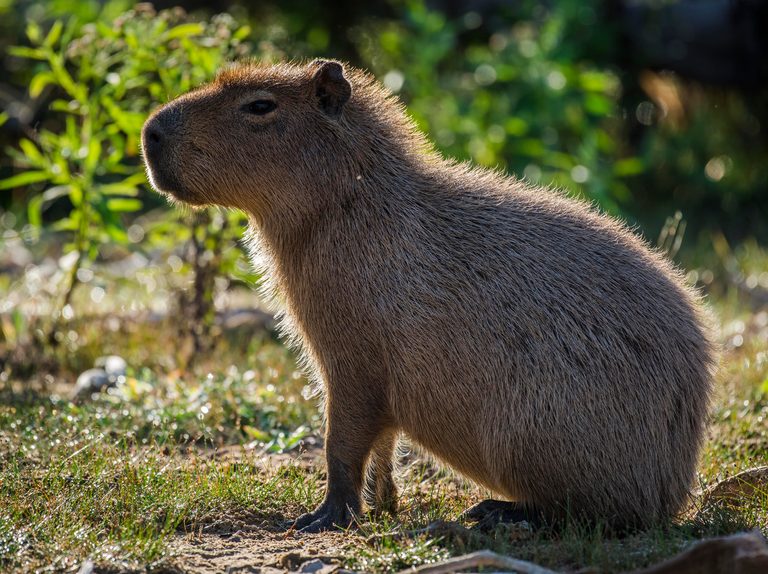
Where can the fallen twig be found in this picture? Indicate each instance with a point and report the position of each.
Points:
(481, 559)
(744, 553)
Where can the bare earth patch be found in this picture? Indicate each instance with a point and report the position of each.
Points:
(259, 550)
(232, 544)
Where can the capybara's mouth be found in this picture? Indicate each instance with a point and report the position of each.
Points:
(164, 180)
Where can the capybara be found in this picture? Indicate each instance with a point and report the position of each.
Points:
(533, 344)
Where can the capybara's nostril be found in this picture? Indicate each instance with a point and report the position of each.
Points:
(159, 139)
(153, 140)
(161, 130)
(154, 135)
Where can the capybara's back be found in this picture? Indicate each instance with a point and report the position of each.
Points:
(530, 342)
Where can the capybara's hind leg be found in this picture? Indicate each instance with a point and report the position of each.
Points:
(380, 489)
(490, 513)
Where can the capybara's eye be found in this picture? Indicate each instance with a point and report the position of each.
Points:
(260, 107)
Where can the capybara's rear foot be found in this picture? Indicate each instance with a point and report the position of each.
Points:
(325, 517)
(490, 513)
(381, 491)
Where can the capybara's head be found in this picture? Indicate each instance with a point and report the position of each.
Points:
(255, 138)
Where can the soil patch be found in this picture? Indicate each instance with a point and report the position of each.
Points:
(259, 550)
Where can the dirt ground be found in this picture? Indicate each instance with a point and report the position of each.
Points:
(257, 550)
(235, 545)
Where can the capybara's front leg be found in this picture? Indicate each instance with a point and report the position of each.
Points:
(350, 434)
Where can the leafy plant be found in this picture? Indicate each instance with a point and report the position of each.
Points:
(83, 165)
(516, 100)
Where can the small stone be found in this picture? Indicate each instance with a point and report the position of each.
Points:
(317, 566)
(114, 365)
(290, 560)
(91, 381)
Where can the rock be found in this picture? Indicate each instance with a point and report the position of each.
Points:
(108, 372)
(290, 560)
(114, 365)
(91, 381)
(317, 566)
(744, 553)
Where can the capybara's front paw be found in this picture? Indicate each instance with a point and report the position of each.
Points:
(326, 517)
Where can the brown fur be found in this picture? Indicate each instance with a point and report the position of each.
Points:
(533, 344)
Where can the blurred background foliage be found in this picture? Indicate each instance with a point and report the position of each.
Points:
(656, 111)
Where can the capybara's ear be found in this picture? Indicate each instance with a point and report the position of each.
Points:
(332, 89)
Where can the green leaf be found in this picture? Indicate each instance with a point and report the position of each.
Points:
(19, 323)
(33, 32)
(94, 154)
(118, 189)
(34, 211)
(115, 232)
(3, 117)
(256, 433)
(595, 81)
(629, 166)
(242, 32)
(105, 30)
(516, 126)
(530, 147)
(25, 52)
(108, 221)
(66, 224)
(184, 31)
(54, 34)
(32, 153)
(136, 178)
(39, 81)
(129, 122)
(559, 160)
(66, 106)
(65, 80)
(120, 204)
(598, 104)
(24, 178)
(129, 186)
(76, 195)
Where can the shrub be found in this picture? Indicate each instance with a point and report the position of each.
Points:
(83, 163)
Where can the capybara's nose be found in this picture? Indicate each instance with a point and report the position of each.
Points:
(153, 139)
(159, 131)
(153, 134)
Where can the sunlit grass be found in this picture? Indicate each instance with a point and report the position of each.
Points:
(68, 494)
(115, 477)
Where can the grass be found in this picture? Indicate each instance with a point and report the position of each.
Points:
(117, 478)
